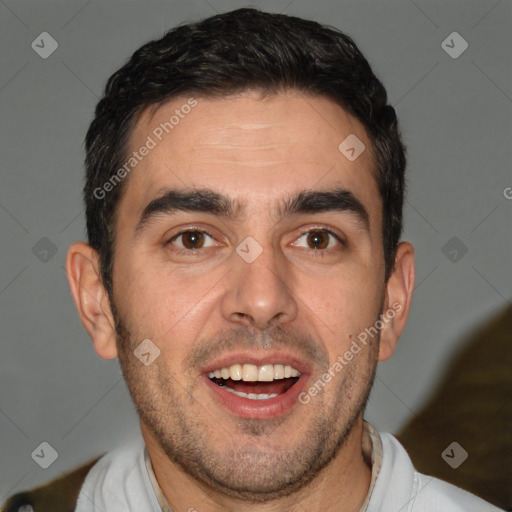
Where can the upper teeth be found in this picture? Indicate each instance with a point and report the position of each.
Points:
(253, 373)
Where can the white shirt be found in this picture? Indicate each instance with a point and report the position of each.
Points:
(123, 480)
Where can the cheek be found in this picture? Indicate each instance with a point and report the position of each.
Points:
(340, 309)
(342, 300)
(168, 307)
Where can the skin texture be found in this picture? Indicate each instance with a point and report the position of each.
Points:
(310, 303)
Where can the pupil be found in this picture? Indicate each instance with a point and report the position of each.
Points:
(318, 238)
(192, 239)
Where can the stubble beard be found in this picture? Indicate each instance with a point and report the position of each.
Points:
(247, 472)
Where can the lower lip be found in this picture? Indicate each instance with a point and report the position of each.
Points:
(258, 409)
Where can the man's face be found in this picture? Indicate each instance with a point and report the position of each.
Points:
(296, 293)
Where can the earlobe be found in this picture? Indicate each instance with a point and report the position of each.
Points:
(91, 299)
(399, 289)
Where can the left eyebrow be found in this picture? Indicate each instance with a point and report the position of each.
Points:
(336, 200)
(209, 201)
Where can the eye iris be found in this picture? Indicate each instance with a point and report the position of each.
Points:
(192, 239)
(319, 239)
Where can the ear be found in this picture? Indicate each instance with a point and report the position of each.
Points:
(91, 298)
(397, 301)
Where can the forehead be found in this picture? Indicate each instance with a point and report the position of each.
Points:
(248, 147)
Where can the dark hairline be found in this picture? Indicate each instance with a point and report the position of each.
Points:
(213, 58)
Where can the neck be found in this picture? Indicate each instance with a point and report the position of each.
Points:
(341, 486)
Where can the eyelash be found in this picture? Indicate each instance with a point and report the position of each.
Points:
(316, 252)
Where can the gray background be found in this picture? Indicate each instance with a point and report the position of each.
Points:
(456, 119)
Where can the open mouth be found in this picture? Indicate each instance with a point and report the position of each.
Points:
(256, 382)
(256, 391)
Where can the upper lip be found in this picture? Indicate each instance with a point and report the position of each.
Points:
(258, 359)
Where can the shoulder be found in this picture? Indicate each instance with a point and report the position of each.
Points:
(63, 493)
(435, 494)
(118, 464)
(402, 486)
(115, 481)
(59, 495)
(119, 481)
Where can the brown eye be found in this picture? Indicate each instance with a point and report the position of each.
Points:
(191, 240)
(318, 239)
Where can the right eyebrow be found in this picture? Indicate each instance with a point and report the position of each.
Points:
(199, 200)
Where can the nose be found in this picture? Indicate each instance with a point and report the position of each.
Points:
(260, 293)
